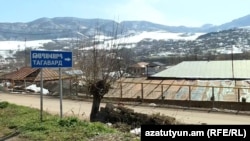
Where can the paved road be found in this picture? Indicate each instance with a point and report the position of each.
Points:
(82, 110)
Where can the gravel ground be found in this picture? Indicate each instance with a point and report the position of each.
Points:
(82, 110)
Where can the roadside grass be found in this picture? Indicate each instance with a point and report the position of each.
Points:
(26, 122)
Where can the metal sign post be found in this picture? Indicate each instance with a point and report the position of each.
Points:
(51, 59)
(61, 96)
(41, 96)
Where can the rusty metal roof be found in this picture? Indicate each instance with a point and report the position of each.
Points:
(49, 74)
(140, 65)
(20, 74)
(33, 74)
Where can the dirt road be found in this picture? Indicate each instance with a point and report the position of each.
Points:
(82, 110)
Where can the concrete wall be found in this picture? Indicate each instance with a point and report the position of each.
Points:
(239, 106)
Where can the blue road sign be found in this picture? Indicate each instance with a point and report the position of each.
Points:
(50, 59)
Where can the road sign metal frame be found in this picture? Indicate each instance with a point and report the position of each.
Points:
(52, 57)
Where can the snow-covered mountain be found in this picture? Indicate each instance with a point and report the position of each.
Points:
(18, 36)
(130, 40)
(68, 27)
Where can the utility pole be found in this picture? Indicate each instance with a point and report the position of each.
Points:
(232, 53)
(25, 53)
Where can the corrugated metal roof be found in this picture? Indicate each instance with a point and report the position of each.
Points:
(19, 74)
(228, 69)
(158, 63)
(74, 72)
(49, 74)
(140, 65)
(32, 74)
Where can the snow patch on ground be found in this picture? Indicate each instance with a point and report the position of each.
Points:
(36, 89)
(20, 45)
(136, 131)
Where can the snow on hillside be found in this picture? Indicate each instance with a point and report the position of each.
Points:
(6, 54)
(245, 27)
(160, 35)
(135, 38)
(233, 49)
(20, 45)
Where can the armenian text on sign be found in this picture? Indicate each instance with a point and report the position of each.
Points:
(50, 59)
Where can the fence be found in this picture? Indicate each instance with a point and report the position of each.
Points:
(220, 94)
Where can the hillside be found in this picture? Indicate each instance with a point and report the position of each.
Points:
(71, 27)
(144, 39)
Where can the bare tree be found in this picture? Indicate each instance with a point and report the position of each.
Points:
(101, 64)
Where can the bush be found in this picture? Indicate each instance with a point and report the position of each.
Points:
(3, 104)
(71, 121)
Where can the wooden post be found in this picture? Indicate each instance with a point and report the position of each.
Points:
(25, 85)
(121, 89)
(238, 94)
(162, 96)
(70, 86)
(141, 91)
(212, 98)
(162, 92)
(189, 96)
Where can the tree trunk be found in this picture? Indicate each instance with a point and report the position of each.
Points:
(95, 107)
(98, 90)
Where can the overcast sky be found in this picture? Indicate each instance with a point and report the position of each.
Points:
(169, 12)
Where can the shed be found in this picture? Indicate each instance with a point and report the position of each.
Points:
(32, 75)
(138, 69)
(207, 70)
